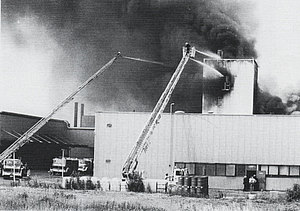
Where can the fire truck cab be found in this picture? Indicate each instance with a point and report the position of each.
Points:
(69, 166)
(14, 167)
(85, 166)
(177, 172)
(65, 166)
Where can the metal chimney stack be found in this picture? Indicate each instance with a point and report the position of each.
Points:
(75, 114)
(81, 113)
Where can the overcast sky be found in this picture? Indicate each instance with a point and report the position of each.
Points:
(278, 47)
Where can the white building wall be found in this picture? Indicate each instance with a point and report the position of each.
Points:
(243, 139)
(235, 183)
(281, 183)
(238, 139)
(113, 144)
(239, 100)
(278, 184)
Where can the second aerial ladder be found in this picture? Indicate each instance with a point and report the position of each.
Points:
(143, 139)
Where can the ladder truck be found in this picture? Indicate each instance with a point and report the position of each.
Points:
(143, 140)
(26, 136)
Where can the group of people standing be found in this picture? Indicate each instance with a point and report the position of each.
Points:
(251, 183)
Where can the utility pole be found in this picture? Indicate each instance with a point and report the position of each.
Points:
(62, 163)
(171, 137)
(14, 169)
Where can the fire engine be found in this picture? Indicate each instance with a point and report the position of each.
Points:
(14, 167)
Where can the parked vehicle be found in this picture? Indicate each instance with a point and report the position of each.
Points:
(70, 166)
(11, 167)
(67, 166)
(177, 172)
(85, 166)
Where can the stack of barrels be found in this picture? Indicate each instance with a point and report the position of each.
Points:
(187, 185)
(193, 185)
(180, 185)
(202, 186)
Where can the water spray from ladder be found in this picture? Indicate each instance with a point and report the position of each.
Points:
(143, 60)
(209, 67)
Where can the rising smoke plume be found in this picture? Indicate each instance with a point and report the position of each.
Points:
(293, 103)
(91, 32)
(265, 103)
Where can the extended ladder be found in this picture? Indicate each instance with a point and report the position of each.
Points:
(143, 140)
(26, 136)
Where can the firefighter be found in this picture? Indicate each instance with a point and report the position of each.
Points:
(188, 48)
(256, 184)
(252, 182)
(246, 183)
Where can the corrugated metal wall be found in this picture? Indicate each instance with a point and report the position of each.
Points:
(197, 138)
(238, 139)
(116, 135)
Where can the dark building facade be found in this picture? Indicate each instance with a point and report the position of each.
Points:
(47, 143)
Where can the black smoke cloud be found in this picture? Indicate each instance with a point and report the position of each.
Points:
(91, 32)
(265, 103)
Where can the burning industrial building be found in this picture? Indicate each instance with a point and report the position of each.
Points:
(225, 142)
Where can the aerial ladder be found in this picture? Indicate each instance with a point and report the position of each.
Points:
(143, 139)
(23, 139)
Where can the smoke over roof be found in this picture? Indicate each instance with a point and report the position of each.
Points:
(293, 103)
(83, 35)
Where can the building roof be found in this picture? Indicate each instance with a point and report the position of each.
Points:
(27, 116)
(45, 139)
(199, 114)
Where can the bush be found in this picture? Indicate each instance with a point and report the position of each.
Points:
(15, 184)
(77, 184)
(294, 193)
(148, 188)
(90, 185)
(33, 183)
(23, 196)
(135, 183)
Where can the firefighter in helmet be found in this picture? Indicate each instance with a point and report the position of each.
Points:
(188, 47)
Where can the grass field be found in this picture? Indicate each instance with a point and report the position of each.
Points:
(28, 198)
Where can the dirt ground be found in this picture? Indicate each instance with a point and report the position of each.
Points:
(83, 199)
